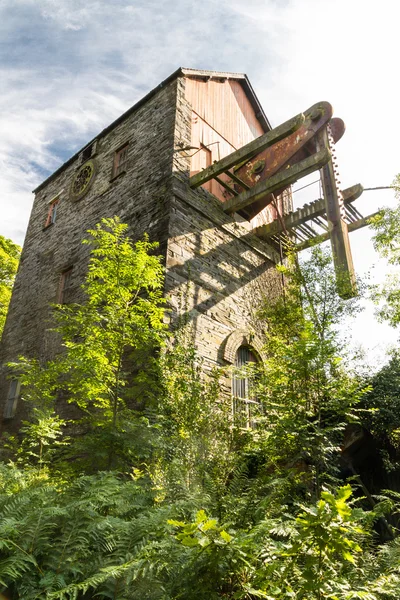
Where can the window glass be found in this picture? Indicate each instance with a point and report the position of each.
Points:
(12, 399)
(244, 403)
(52, 214)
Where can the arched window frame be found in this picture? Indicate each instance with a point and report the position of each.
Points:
(242, 341)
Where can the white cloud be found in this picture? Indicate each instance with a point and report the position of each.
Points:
(74, 65)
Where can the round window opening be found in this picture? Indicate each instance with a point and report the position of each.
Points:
(83, 180)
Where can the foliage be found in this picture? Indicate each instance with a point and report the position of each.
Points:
(9, 259)
(307, 393)
(386, 239)
(159, 495)
(195, 444)
(108, 367)
(383, 418)
(105, 533)
(383, 401)
(120, 323)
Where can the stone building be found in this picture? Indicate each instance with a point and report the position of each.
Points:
(139, 168)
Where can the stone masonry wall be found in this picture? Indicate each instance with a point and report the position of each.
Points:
(138, 196)
(218, 272)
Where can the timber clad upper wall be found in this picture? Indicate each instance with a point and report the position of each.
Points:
(223, 120)
(224, 106)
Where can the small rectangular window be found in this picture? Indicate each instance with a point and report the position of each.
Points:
(52, 213)
(88, 152)
(120, 161)
(65, 288)
(12, 399)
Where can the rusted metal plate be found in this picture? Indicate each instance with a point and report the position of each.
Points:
(290, 150)
(246, 152)
(337, 128)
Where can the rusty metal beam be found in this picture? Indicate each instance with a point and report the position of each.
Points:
(279, 181)
(287, 152)
(247, 151)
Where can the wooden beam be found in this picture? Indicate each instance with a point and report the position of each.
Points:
(325, 236)
(338, 230)
(247, 151)
(226, 186)
(278, 182)
(237, 180)
(304, 214)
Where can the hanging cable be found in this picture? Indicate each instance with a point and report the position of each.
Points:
(305, 186)
(381, 187)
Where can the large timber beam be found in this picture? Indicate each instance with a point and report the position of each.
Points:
(338, 230)
(289, 151)
(279, 181)
(304, 214)
(247, 151)
(364, 222)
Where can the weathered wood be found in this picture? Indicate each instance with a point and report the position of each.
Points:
(237, 180)
(226, 186)
(247, 151)
(319, 239)
(288, 151)
(338, 231)
(279, 181)
(304, 214)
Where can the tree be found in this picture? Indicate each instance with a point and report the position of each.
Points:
(119, 326)
(386, 239)
(382, 419)
(307, 390)
(9, 259)
(215, 511)
(110, 344)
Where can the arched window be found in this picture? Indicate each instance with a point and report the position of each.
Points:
(244, 402)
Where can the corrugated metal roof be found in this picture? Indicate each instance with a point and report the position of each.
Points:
(185, 72)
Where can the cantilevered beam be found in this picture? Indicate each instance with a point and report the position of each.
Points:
(279, 181)
(291, 150)
(248, 151)
(364, 222)
(338, 230)
(304, 214)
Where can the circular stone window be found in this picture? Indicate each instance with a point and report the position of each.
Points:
(82, 180)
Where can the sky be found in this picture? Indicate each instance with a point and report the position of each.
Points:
(70, 67)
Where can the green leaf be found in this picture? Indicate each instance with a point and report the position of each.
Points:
(225, 536)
